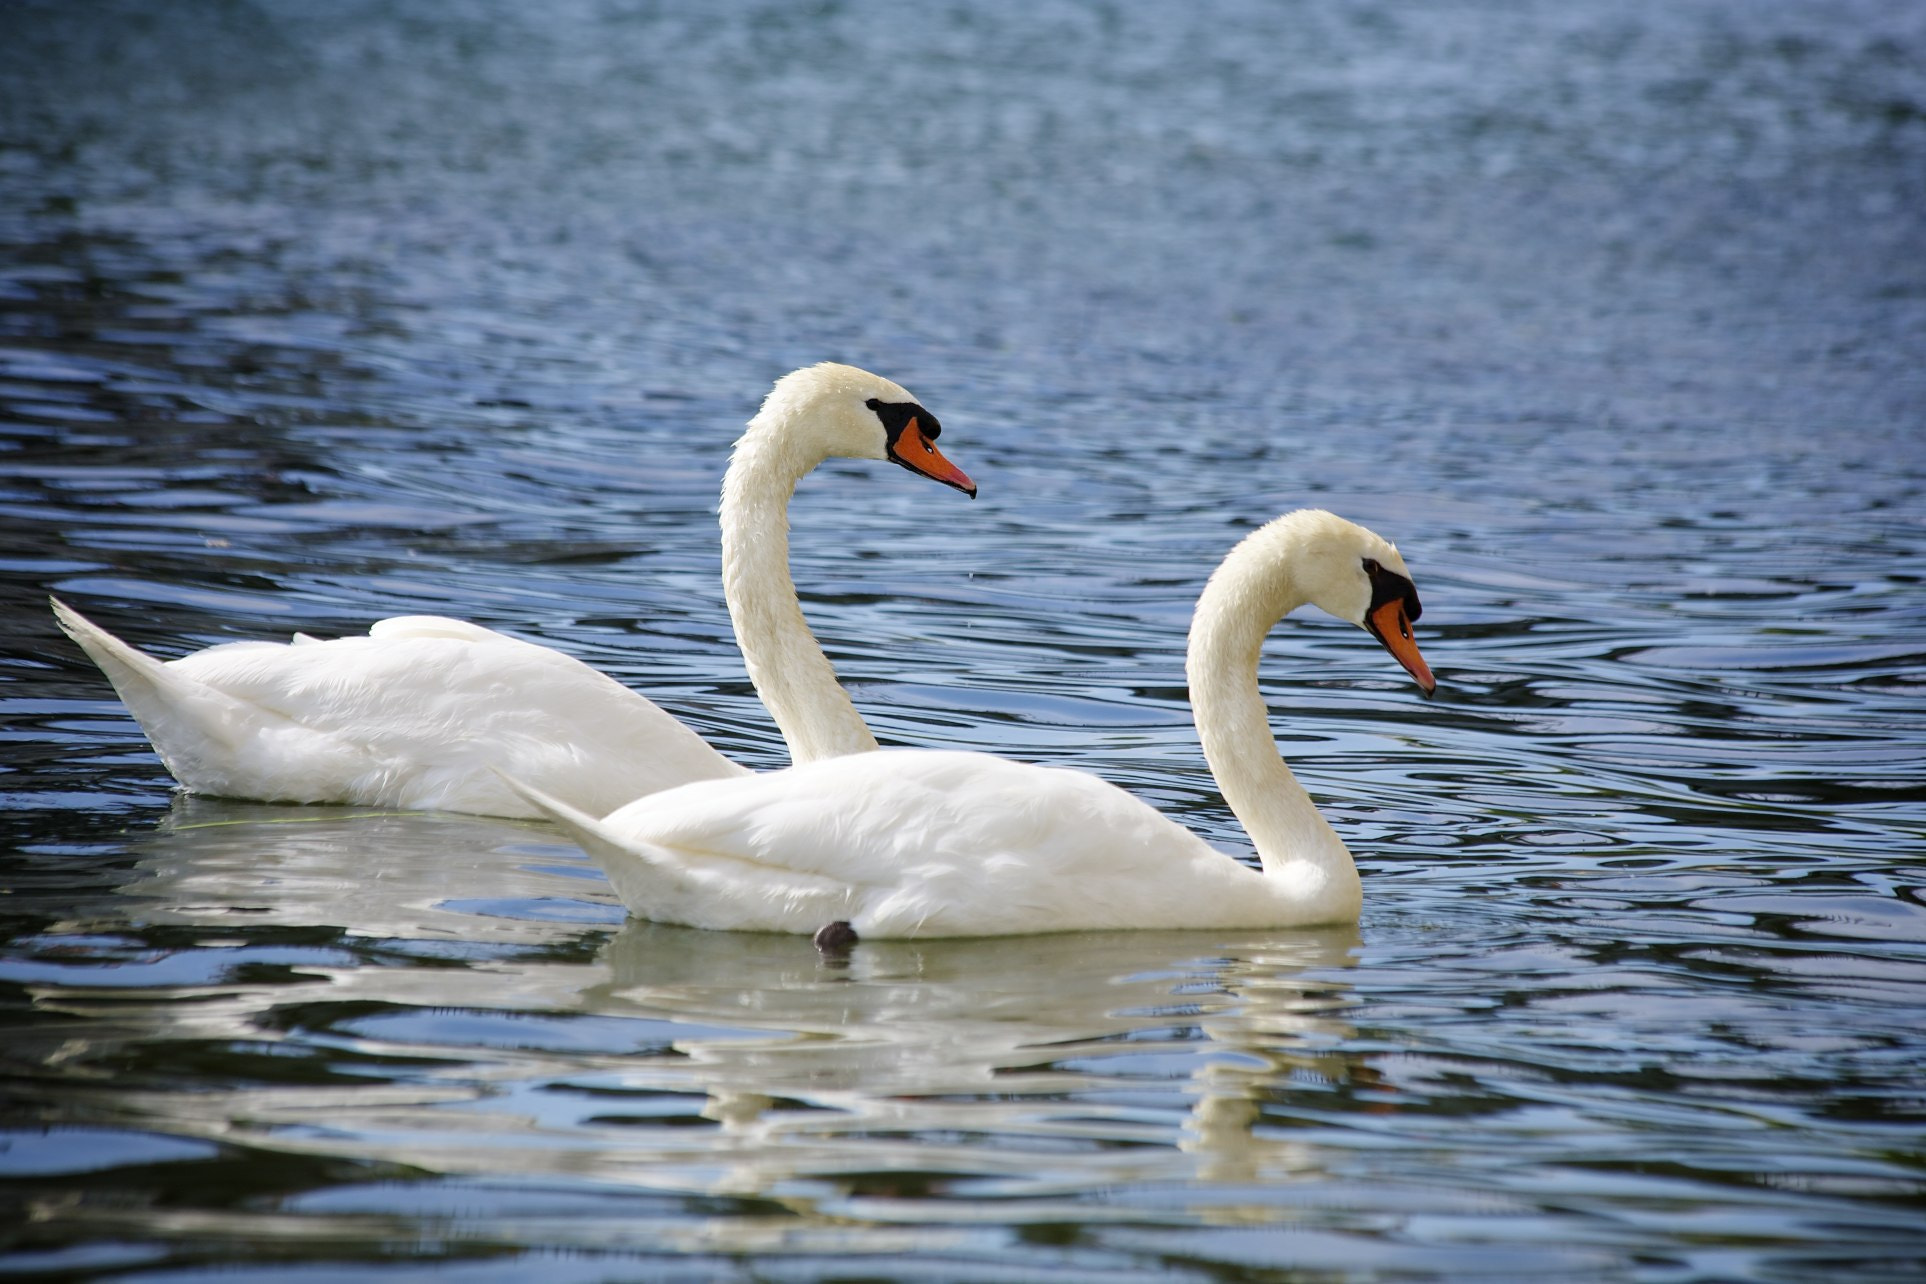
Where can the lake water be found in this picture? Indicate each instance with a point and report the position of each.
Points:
(1612, 316)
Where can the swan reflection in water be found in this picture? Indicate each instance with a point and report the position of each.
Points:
(371, 872)
(490, 1038)
(999, 1057)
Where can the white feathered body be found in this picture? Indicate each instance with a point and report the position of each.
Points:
(923, 843)
(930, 843)
(413, 715)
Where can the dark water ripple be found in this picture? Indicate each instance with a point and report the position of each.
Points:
(1612, 317)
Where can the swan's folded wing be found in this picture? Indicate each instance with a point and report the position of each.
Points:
(904, 843)
(881, 819)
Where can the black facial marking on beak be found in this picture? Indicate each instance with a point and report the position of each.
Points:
(911, 433)
(899, 415)
(1394, 604)
(1388, 586)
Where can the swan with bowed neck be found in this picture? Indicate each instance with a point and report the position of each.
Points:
(419, 712)
(927, 843)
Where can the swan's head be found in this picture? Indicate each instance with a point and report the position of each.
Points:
(1352, 573)
(832, 410)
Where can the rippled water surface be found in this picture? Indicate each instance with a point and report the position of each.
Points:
(1612, 316)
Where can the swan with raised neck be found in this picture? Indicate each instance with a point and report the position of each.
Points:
(420, 711)
(1309, 557)
(908, 842)
(810, 415)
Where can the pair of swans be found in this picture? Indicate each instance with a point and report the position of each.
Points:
(852, 840)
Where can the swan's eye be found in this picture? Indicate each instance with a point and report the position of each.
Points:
(1371, 566)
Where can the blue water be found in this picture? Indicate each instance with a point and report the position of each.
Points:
(1613, 317)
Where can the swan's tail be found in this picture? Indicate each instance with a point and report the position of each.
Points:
(588, 832)
(127, 667)
(697, 889)
(181, 716)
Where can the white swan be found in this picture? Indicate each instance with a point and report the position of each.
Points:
(417, 712)
(925, 843)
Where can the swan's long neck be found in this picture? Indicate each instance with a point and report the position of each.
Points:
(1249, 593)
(788, 667)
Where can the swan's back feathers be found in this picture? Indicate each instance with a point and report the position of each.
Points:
(433, 626)
(413, 715)
(908, 842)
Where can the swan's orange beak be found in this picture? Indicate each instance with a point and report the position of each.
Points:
(1389, 625)
(919, 454)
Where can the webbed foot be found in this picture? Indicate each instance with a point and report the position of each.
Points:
(835, 938)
